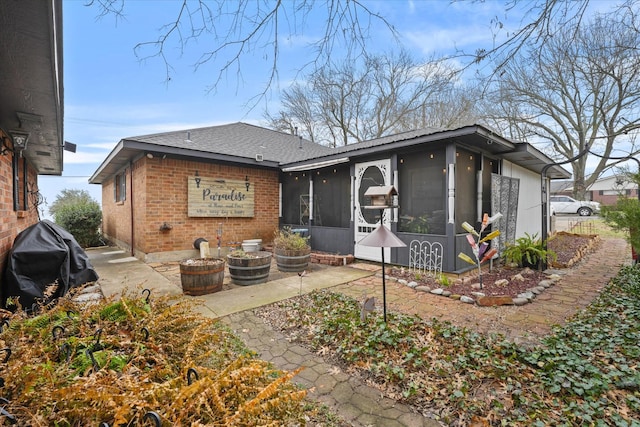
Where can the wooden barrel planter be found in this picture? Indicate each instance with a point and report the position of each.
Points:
(250, 269)
(292, 260)
(201, 276)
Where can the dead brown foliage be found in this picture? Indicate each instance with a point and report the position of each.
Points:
(118, 361)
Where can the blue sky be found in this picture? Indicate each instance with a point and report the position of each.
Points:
(110, 94)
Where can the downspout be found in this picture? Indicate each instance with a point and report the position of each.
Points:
(131, 208)
(16, 182)
(25, 193)
(543, 176)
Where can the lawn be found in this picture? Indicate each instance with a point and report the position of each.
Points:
(595, 226)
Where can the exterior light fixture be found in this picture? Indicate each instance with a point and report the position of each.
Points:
(20, 139)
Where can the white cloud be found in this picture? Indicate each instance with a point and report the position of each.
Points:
(443, 27)
(447, 40)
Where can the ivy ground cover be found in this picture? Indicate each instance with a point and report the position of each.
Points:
(584, 373)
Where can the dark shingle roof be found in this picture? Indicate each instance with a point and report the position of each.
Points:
(403, 136)
(239, 140)
(243, 143)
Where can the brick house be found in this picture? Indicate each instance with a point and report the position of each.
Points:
(31, 110)
(607, 190)
(146, 194)
(161, 192)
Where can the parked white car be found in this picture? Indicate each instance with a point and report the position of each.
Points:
(569, 205)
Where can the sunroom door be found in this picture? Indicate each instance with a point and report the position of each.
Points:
(367, 220)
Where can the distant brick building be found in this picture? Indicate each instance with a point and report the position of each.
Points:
(607, 190)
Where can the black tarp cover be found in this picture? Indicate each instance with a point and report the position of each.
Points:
(42, 255)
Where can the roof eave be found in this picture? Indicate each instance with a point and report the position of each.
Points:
(126, 151)
(495, 144)
(32, 68)
(529, 157)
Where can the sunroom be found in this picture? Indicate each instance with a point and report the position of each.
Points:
(442, 178)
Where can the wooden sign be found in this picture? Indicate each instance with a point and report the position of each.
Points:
(216, 197)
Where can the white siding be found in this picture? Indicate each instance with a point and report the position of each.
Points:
(609, 183)
(529, 199)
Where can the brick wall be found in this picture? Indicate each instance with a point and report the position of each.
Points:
(160, 196)
(13, 222)
(611, 199)
(116, 216)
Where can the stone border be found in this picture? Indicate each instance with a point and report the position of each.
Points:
(481, 299)
(521, 299)
(591, 246)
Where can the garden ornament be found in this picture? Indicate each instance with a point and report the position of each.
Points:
(479, 244)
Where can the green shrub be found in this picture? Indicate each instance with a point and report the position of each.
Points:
(527, 249)
(82, 220)
(625, 216)
(286, 239)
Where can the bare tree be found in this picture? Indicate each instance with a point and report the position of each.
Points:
(233, 30)
(580, 92)
(543, 18)
(453, 105)
(378, 96)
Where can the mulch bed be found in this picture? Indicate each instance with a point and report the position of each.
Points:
(569, 249)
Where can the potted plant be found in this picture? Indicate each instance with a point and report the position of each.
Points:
(249, 268)
(527, 251)
(292, 251)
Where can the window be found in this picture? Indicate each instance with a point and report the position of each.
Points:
(421, 192)
(120, 187)
(20, 184)
(295, 198)
(332, 196)
(467, 165)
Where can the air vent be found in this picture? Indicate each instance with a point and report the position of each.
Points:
(259, 158)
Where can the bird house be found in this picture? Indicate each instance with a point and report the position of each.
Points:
(381, 195)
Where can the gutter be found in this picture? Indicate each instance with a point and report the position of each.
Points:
(131, 209)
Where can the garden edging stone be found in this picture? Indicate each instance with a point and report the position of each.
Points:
(483, 300)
